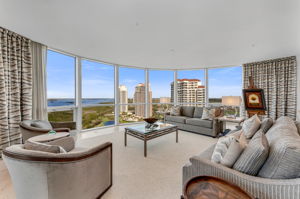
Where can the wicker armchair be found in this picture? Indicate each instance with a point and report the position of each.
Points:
(30, 128)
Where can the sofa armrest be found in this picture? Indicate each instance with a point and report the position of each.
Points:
(258, 187)
(70, 125)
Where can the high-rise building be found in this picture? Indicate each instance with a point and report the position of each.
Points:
(164, 100)
(123, 93)
(139, 97)
(189, 91)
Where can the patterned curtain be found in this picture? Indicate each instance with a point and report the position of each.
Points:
(278, 78)
(15, 86)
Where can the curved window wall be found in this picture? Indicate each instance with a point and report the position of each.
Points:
(96, 94)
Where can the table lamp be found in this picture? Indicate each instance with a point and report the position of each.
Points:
(232, 101)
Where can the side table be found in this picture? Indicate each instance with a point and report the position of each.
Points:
(225, 119)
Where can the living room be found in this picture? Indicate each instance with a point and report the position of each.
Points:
(149, 99)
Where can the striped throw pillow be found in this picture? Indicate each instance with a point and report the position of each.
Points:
(254, 155)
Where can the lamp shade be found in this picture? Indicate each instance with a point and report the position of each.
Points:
(231, 100)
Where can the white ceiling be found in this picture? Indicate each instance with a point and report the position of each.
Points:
(160, 33)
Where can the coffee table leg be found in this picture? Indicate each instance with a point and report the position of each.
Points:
(125, 138)
(176, 135)
(145, 147)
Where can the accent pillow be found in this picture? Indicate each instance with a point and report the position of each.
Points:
(266, 124)
(254, 155)
(175, 110)
(37, 146)
(210, 113)
(67, 143)
(234, 150)
(221, 148)
(250, 126)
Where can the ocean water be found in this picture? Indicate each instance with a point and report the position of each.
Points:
(85, 101)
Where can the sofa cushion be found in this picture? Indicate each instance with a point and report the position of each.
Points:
(198, 112)
(254, 155)
(284, 158)
(199, 122)
(178, 119)
(41, 124)
(250, 126)
(187, 111)
(175, 110)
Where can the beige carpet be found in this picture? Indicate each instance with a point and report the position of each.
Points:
(157, 176)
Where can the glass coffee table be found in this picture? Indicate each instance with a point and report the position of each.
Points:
(145, 134)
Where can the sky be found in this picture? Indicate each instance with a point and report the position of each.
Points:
(98, 79)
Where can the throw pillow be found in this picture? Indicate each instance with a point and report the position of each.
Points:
(37, 146)
(266, 124)
(234, 150)
(209, 113)
(254, 155)
(221, 148)
(175, 110)
(250, 126)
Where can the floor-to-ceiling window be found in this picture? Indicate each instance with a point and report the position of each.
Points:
(190, 87)
(132, 95)
(160, 85)
(108, 92)
(60, 86)
(97, 94)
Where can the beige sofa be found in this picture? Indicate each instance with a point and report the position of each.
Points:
(81, 173)
(190, 120)
(258, 187)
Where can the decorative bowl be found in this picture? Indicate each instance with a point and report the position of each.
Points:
(150, 120)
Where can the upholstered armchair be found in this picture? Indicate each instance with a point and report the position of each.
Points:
(30, 128)
(84, 172)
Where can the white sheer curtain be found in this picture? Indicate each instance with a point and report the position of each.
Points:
(39, 96)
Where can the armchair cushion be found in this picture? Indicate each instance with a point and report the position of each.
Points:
(67, 143)
(38, 146)
(41, 124)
